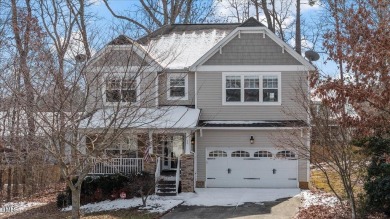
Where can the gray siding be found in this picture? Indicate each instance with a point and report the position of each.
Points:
(122, 57)
(120, 61)
(252, 49)
(239, 138)
(162, 87)
(210, 100)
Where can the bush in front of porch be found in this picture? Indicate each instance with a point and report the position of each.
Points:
(109, 187)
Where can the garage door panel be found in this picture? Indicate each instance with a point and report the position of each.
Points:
(261, 169)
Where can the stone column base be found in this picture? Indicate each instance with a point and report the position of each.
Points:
(187, 172)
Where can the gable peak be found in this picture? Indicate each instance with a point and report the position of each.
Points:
(121, 40)
(252, 22)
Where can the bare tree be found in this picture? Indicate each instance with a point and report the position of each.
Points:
(332, 151)
(157, 13)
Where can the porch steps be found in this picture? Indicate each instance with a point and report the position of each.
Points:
(166, 186)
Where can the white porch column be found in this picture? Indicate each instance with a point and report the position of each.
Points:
(187, 146)
(150, 142)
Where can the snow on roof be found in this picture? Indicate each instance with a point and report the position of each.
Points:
(238, 122)
(181, 50)
(163, 117)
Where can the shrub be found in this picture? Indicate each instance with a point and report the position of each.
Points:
(64, 199)
(377, 185)
(100, 188)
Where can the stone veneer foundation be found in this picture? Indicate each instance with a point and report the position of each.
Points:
(187, 172)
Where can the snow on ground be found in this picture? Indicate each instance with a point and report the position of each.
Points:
(154, 204)
(310, 198)
(12, 207)
(234, 197)
(202, 197)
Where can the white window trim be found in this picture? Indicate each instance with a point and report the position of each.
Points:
(121, 75)
(242, 75)
(177, 75)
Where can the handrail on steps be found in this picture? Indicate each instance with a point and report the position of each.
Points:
(157, 173)
(177, 175)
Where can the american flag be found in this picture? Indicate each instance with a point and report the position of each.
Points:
(147, 156)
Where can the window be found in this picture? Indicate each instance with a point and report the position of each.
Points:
(251, 88)
(285, 154)
(217, 154)
(121, 89)
(270, 89)
(233, 89)
(177, 87)
(263, 154)
(240, 154)
(123, 147)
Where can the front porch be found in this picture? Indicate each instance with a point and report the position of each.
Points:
(167, 155)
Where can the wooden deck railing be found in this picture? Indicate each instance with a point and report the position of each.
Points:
(117, 165)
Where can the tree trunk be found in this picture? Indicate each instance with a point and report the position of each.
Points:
(76, 203)
(9, 184)
(298, 46)
(267, 15)
(15, 189)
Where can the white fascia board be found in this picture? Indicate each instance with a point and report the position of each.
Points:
(250, 128)
(243, 30)
(251, 68)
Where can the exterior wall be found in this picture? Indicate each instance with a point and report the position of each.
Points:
(121, 61)
(187, 172)
(210, 100)
(252, 49)
(239, 138)
(119, 57)
(162, 90)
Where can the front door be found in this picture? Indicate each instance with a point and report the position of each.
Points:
(172, 147)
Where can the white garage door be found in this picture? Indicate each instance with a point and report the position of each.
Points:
(251, 167)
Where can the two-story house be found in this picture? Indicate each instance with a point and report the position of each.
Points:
(221, 92)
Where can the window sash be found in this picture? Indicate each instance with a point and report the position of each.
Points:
(121, 89)
(177, 86)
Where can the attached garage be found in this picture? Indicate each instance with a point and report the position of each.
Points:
(251, 167)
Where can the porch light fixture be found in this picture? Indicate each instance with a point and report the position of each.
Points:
(252, 140)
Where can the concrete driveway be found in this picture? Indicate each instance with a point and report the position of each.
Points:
(238, 203)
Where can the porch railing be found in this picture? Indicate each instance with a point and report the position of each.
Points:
(177, 175)
(117, 165)
(157, 173)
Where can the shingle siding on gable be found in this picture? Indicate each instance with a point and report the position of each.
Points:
(120, 58)
(252, 49)
(210, 100)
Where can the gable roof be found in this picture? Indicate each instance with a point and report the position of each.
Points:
(252, 22)
(187, 46)
(179, 46)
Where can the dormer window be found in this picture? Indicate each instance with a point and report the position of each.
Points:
(121, 89)
(177, 84)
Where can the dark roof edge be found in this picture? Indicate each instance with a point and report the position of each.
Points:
(263, 124)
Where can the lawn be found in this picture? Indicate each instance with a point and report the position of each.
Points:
(318, 181)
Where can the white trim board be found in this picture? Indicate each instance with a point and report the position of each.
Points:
(250, 128)
(250, 68)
